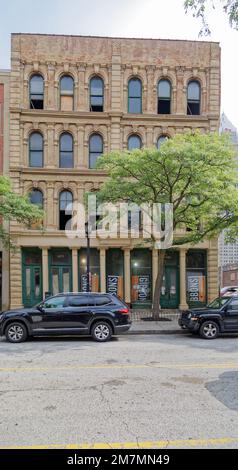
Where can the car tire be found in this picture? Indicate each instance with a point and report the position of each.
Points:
(101, 331)
(16, 332)
(209, 330)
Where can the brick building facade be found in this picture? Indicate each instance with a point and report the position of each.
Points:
(75, 97)
(4, 162)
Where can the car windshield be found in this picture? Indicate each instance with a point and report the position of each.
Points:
(219, 302)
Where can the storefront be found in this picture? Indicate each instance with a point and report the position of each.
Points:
(141, 278)
(127, 273)
(31, 277)
(94, 278)
(115, 272)
(196, 278)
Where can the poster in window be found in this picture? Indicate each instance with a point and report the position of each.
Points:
(93, 282)
(115, 285)
(140, 288)
(196, 288)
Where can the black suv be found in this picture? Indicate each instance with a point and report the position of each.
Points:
(220, 316)
(98, 315)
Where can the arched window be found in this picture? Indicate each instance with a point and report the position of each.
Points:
(96, 94)
(66, 157)
(160, 140)
(164, 97)
(65, 209)
(36, 88)
(66, 93)
(95, 149)
(134, 142)
(36, 197)
(193, 97)
(36, 150)
(135, 96)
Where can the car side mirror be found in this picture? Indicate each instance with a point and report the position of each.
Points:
(40, 308)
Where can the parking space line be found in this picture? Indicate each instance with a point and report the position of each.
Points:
(229, 365)
(163, 444)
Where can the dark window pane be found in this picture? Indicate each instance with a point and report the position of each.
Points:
(163, 106)
(193, 108)
(134, 142)
(134, 105)
(78, 301)
(196, 260)
(135, 88)
(102, 300)
(164, 89)
(36, 197)
(37, 104)
(60, 257)
(67, 85)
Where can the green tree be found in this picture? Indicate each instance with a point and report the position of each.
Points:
(15, 207)
(198, 7)
(194, 172)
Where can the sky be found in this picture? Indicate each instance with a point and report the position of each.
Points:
(163, 19)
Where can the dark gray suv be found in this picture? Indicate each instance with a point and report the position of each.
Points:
(98, 315)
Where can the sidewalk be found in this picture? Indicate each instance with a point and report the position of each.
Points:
(154, 327)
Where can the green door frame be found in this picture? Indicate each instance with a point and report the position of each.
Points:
(32, 299)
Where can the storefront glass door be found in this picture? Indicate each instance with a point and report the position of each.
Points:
(32, 278)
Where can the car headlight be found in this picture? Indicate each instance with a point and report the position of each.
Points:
(1, 316)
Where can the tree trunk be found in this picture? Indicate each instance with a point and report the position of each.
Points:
(158, 285)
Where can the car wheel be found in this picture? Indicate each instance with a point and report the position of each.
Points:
(101, 331)
(16, 333)
(209, 330)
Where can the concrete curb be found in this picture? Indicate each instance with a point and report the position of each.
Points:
(154, 332)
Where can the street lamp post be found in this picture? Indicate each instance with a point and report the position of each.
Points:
(88, 255)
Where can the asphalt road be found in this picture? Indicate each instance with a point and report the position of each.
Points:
(148, 391)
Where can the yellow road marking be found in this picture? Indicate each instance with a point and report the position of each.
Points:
(228, 365)
(137, 445)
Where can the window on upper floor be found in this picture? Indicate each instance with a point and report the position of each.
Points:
(66, 93)
(36, 89)
(135, 96)
(161, 139)
(193, 98)
(36, 197)
(66, 152)
(65, 209)
(36, 150)
(95, 149)
(164, 97)
(134, 142)
(96, 94)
